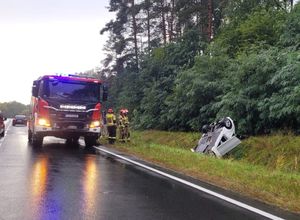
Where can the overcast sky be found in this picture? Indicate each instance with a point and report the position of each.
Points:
(40, 37)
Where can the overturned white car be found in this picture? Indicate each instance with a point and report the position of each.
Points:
(218, 138)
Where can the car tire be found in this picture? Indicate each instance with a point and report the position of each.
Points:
(2, 134)
(226, 123)
(205, 129)
(211, 153)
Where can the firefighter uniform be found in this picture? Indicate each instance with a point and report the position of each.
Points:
(121, 125)
(111, 126)
(126, 127)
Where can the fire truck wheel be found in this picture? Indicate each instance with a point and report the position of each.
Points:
(29, 135)
(36, 140)
(90, 141)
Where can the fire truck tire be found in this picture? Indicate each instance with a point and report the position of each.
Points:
(29, 135)
(36, 140)
(90, 141)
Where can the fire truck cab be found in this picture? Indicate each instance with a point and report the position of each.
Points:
(66, 107)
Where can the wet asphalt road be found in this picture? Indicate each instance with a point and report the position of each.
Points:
(70, 182)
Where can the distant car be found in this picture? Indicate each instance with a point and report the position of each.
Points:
(2, 125)
(19, 119)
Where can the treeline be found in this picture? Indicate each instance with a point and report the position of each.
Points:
(10, 109)
(177, 65)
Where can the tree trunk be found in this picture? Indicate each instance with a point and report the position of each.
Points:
(148, 25)
(163, 21)
(171, 21)
(134, 29)
(210, 20)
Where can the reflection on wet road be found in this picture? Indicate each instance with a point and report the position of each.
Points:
(90, 186)
(59, 181)
(38, 185)
(54, 182)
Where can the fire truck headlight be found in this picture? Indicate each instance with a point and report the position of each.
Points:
(43, 122)
(95, 124)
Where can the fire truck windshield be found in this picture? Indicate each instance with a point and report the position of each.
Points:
(71, 90)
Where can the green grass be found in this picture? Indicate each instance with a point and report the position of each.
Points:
(268, 175)
(280, 152)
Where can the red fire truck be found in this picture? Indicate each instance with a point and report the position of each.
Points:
(66, 107)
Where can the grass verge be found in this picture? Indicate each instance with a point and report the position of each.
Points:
(266, 183)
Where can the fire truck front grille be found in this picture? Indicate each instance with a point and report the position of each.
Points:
(69, 125)
(65, 120)
(70, 116)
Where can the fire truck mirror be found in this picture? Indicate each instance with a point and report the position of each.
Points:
(105, 93)
(35, 89)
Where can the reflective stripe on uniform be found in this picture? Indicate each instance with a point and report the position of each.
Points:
(110, 119)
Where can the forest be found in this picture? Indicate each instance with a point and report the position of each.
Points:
(10, 109)
(179, 64)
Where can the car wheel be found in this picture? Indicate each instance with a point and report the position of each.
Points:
(205, 129)
(2, 134)
(226, 123)
(211, 153)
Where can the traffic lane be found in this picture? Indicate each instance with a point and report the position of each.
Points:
(156, 197)
(49, 183)
(69, 182)
(7, 122)
(211, 191)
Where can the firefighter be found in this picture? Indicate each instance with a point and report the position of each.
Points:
(126, 125)
(111, 125)
(121, 125)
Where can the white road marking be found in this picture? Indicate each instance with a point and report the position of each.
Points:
(210, 192)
